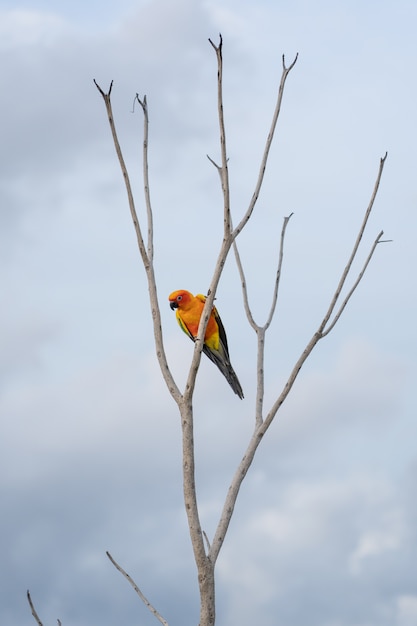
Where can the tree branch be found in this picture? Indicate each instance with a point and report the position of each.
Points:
(243, 283)
(355, 249)
(223, 171)
(278, 274)
(245, 218)
(107, 101)
(146, 254)
(143, 103)
(138, 591)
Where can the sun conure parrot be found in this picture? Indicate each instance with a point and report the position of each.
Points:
(188, 311)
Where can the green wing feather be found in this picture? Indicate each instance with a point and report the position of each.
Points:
(221, 356)
(222, 332)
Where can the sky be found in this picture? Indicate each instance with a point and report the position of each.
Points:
(325, 528)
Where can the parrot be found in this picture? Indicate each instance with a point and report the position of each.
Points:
(188, 312)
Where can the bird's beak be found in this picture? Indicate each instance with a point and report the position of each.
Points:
(173, 305)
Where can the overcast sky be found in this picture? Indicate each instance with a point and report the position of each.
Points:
(325, 530)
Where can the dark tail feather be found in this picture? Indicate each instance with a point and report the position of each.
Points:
(226, 369)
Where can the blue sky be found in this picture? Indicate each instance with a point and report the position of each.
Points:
(324, 531)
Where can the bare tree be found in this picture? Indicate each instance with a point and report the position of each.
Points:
(205, 551)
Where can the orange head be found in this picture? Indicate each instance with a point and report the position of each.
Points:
(180, 299)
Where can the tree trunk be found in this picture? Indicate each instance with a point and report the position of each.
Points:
(207, 594)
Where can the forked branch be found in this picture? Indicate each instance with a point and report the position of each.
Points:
(244, 286)
(261, 330)
(352, 257)
(355, 284)
(261, 426)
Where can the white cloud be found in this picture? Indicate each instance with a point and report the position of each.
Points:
(376, 541)
(407, 610)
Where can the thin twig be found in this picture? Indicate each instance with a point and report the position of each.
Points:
(243, 283)
(138, 591)
(206, 539)
(144, 104)
(35, 615)
(224, 173)
(245, 218)
(278, 274)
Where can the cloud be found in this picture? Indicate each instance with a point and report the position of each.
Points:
(407, 610)
(300, 546)
(376, 542)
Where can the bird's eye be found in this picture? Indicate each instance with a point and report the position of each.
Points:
(179, 298)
